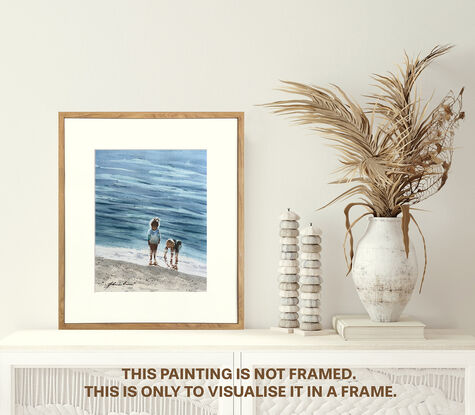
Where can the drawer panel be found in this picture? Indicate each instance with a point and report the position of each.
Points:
(88, 383)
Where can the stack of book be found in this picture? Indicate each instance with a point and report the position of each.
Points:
(360, 327)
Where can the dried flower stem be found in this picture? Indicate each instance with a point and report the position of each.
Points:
(399, 156)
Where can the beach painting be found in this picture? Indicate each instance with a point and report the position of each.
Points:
(150, 220)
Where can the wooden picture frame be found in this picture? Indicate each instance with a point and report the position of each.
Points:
(238, 323)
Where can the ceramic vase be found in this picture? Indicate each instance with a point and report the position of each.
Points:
(384, 276)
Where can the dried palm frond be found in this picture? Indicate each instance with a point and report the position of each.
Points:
(395, 152)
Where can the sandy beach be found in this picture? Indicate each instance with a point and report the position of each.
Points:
(114, 275)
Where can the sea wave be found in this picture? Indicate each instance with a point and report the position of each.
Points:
(141, 257)
(133, 186)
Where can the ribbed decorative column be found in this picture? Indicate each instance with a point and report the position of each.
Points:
(310, 281)
(289, 272)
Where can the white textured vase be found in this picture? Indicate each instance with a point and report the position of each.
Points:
(383, 275)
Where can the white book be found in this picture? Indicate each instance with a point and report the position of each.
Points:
(360, 327)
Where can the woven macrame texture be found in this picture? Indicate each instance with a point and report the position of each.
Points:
(46, 389)
(419, 392)
(70, 410)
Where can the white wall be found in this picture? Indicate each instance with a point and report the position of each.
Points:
(117, 55)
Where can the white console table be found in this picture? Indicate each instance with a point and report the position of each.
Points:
(41, 358)
(234, 340)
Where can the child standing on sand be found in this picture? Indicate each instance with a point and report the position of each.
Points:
(154, 239)
(174, 246)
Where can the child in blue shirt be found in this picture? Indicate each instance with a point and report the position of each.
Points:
(153, 237)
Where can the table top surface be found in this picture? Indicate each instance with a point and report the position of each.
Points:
(252, 339)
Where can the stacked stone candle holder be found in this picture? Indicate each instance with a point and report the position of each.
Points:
(310, 281)
(289, 272)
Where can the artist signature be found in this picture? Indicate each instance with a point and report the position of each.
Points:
(118, 284)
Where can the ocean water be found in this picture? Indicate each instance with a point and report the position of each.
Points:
(133, 186)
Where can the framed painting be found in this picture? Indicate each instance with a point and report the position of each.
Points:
(151, 220)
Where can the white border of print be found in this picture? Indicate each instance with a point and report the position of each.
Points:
(219, 303)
